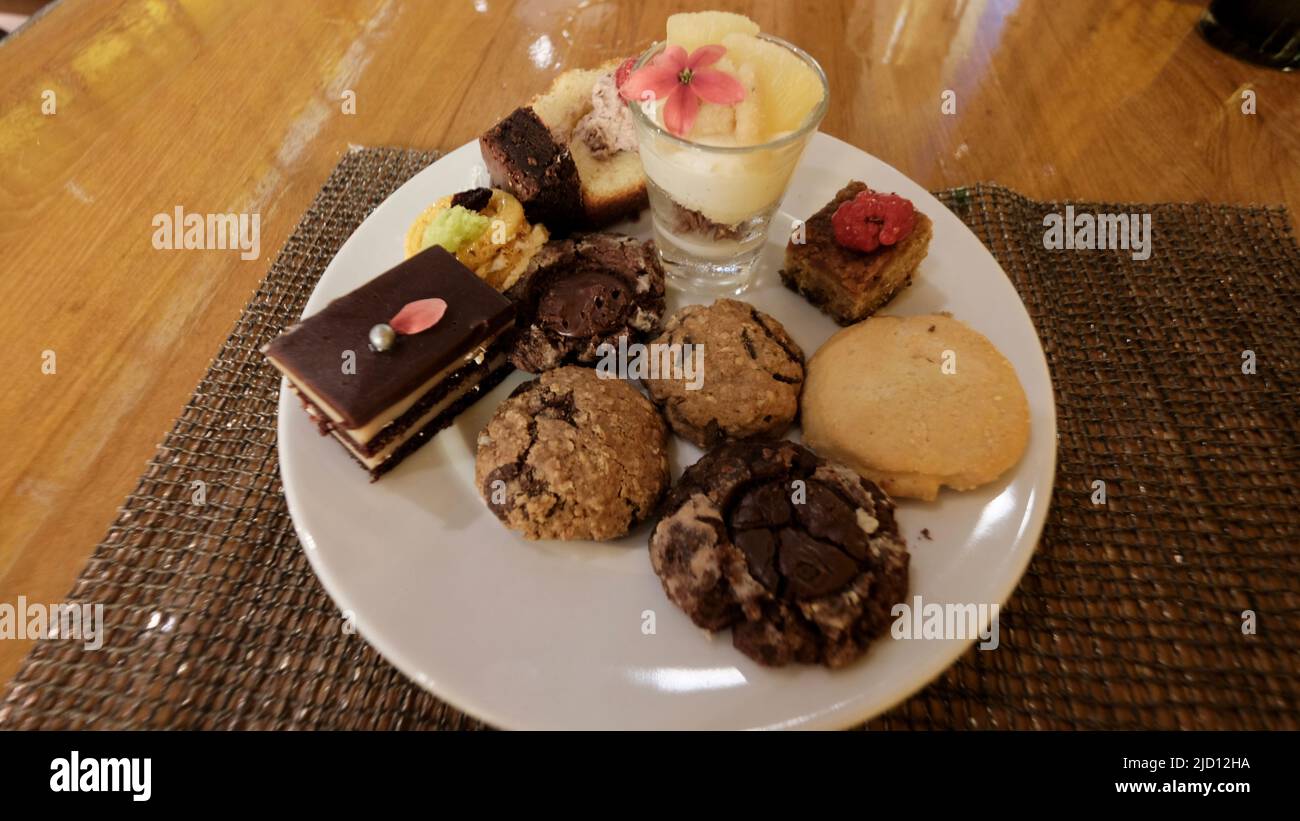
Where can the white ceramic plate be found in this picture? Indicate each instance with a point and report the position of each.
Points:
(550, 634)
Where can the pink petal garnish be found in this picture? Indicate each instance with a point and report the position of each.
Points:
(655, 80)
(715, 86)
(681, 109)
(659, 76)
(417, 316)
(663, 76)
(673, 57)
(705, 56)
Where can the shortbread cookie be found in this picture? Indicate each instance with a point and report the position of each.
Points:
(799, 556)
(915, 403)
(573, 456)
(751, 376)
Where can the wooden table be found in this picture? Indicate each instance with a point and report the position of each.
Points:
(223, 106)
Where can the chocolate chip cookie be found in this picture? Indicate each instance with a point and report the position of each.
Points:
(798, 555)
(752, 374)
(581, 293)
(571, 455)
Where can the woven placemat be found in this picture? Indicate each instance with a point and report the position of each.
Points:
(1130, 615)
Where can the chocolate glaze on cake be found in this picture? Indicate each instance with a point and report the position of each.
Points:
(312, 353)
(381, 406)
(584, 292)
(799, 556)
(523, 158)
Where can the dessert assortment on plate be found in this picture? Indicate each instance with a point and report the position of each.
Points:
(792, 547)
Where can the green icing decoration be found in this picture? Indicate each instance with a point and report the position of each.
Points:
(454, 228)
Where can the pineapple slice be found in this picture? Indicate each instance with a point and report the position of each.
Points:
(749, 111)
(788, 88)
(740, 124)
(714, 120)
(690, 30)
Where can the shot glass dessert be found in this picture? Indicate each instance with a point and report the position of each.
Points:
(722, 115)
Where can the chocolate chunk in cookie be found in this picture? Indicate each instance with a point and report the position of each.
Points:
(586, 304)
(800, 556)
(581, 293)
(752, 374)
(573, 456)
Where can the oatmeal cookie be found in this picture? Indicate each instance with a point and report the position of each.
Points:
(752, 375)
(571, 455)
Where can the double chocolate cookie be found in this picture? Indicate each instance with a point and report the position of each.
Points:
(581, 293)
(752, 374)
(573, 456)
(799, 556)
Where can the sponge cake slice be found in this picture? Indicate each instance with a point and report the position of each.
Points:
(562, 183)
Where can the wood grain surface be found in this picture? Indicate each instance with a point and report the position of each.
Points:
(237, 106)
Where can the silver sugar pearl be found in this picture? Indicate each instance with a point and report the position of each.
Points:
(383, 337)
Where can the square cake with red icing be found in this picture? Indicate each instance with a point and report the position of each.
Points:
(831, 265)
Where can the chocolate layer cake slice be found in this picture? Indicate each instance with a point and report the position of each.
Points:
(383, 405)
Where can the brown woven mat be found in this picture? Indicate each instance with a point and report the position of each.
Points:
(1130, 615)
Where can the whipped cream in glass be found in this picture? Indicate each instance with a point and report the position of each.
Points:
(712, 196)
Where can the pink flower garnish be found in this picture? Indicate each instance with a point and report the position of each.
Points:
(420, 315)
(684, 80)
